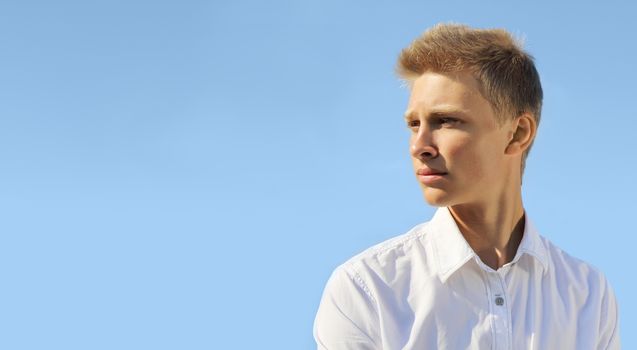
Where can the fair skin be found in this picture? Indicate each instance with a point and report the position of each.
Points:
(468, 161)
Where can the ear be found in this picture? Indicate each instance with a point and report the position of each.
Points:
(524, 128)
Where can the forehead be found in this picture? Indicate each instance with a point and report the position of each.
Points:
(459, 90)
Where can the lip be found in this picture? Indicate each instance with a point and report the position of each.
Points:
(430, 176)
(429, 171)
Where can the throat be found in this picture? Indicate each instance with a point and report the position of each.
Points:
(494, 241)
(495, 258)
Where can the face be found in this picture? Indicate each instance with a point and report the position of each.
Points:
(456, 145)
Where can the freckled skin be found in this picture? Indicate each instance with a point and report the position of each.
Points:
(471, 150)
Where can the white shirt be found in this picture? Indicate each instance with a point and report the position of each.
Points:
(427, 289)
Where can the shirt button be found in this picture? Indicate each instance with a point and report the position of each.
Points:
(499, 301)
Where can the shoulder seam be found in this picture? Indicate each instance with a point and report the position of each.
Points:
(379, 248)
(357, 278)
(415, 233)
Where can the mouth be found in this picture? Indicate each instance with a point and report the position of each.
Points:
(429, 176)
(429, 172)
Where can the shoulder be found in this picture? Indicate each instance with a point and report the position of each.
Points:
(396, 246)
(574, 269)
(584, 284)
(387, 260)
(590, 292)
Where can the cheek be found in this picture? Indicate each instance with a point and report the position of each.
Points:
(470, 160)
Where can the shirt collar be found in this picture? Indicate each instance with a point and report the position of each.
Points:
(453, 251)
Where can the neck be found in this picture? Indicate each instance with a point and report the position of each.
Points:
(493, 229)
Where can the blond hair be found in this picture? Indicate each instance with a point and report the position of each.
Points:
(506, 73)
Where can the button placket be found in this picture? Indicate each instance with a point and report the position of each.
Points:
(500, 311)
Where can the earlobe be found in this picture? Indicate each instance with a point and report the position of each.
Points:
(522, 135)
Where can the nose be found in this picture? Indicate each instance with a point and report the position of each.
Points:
(421, 145)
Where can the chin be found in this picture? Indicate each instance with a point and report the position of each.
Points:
(437, 197)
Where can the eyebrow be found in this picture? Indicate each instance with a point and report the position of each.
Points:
(438, 110)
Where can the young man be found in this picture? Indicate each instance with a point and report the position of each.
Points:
(478, 275)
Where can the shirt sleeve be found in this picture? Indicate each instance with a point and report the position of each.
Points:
(347, 317)
(609, 332)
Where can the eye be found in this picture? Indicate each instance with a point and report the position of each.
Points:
(413, 123)
(448, 121)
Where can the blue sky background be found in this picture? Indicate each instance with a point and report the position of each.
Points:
(187, 174)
